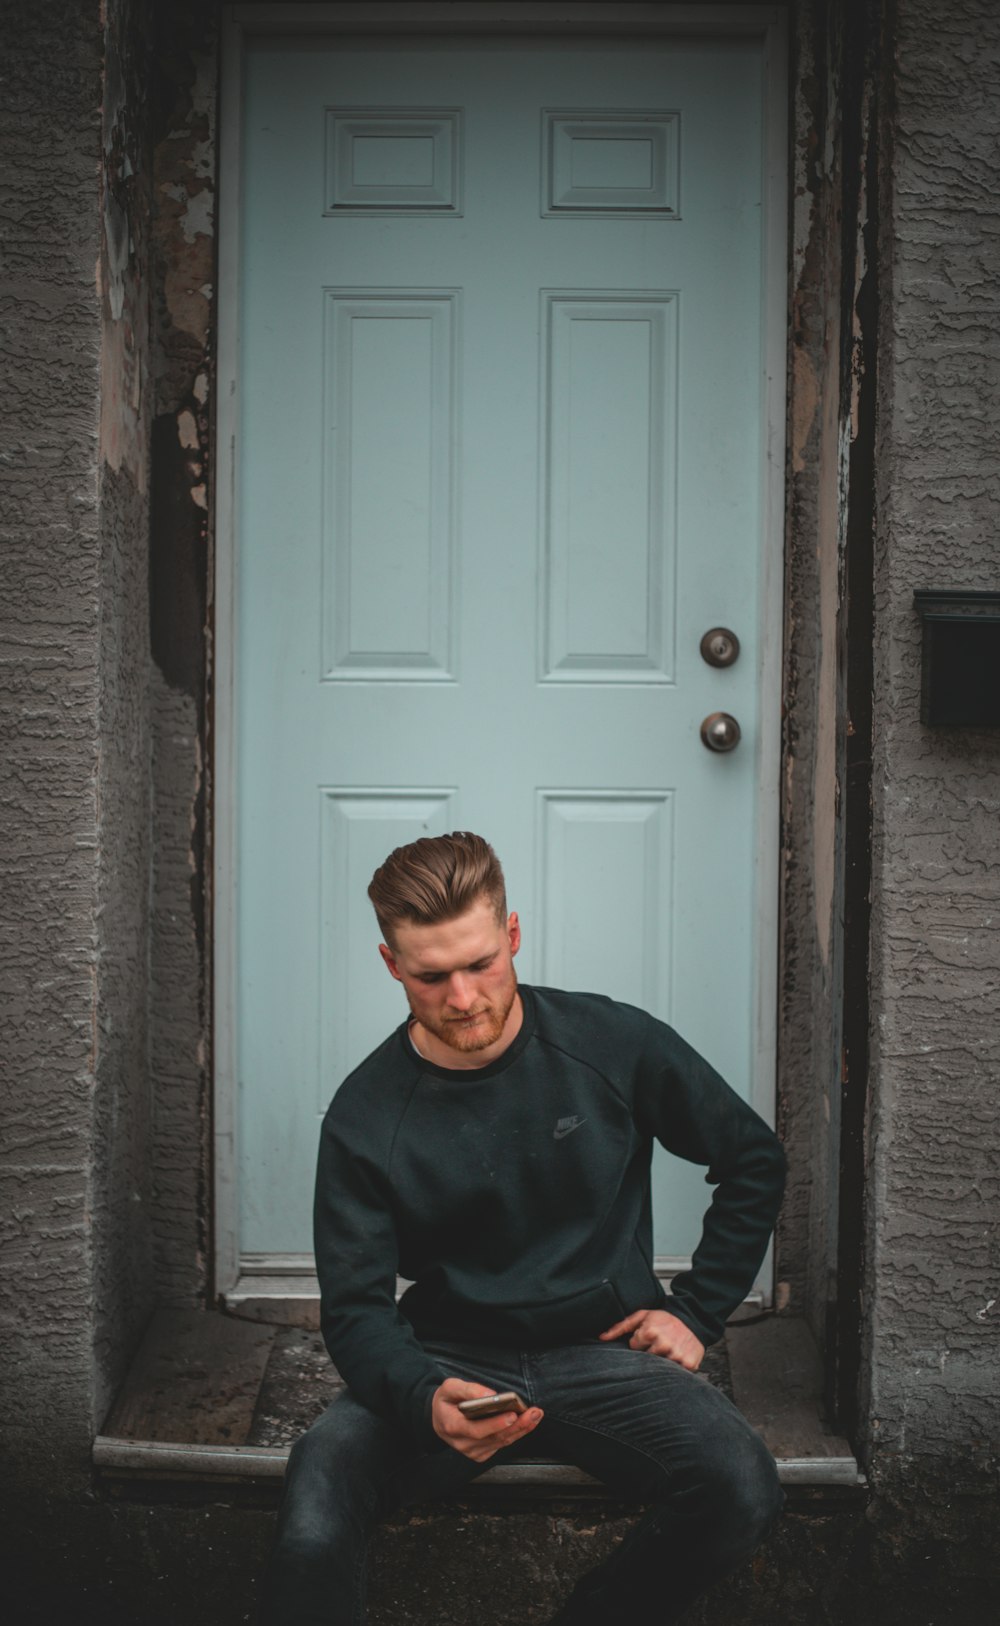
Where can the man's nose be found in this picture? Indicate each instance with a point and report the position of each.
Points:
(461, 993)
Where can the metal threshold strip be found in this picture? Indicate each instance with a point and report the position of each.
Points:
(140, 1459)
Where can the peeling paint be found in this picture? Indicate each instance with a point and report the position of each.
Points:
(187, 430)
(806, 394)
(809, 1118)
(125, 217)
(185, 63)
(197, 213)
(185, 200)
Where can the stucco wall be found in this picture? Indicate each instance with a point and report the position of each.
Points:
(74, 826)
(933, 1288)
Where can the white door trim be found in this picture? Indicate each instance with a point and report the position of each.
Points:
(765, 23)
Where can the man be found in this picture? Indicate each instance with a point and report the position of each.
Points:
(495, 1151)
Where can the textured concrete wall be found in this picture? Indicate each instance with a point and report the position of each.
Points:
(74, 819)
(49, 695)
(933, 1293)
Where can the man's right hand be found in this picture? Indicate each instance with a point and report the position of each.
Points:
(478, 1440)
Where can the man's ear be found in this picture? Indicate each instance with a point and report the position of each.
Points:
(513, 933)
(387, 956)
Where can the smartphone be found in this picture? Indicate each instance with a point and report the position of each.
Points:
(492, 1405)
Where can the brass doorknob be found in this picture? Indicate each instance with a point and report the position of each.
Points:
(720, 732)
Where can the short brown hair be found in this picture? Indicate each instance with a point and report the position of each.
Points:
(436, 878)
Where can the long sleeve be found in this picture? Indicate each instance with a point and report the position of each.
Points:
(372, 1345)
(685, 1104)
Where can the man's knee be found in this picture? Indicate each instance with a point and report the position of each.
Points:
(328, 1487)
(748, 1490)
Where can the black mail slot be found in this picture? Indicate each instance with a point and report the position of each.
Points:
(960, 677)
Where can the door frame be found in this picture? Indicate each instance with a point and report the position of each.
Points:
(283, 1286)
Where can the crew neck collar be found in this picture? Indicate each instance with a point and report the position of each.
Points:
(472, 1075)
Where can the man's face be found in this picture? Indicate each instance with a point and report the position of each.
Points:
(459, 977)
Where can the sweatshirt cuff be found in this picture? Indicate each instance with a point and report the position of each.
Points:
(708, 1333)
(422, 1415)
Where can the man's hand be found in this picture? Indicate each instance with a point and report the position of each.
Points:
(478, 1440)
(662, 1334)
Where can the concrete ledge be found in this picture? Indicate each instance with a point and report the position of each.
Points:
(213, 1399)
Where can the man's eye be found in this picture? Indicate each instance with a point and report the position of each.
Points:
(430, 976)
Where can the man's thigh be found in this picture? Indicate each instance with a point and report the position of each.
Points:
(351, 1456)
(639, 1422)
(353, 1464)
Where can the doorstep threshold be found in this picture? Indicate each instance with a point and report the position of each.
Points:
(158, 1459)
(211, 1399)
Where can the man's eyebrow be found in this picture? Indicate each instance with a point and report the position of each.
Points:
(484, 959)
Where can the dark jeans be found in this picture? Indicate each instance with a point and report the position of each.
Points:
(640, 1423)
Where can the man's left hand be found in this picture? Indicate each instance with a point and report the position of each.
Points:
(660, 1333)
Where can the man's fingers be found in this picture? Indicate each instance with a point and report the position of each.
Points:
(687, 1352)
(629, 1324)
(477, 1438)
(508, 1423)
(522, 1425)
(510, 1429)
(512, 1423)
(503, 1423)
(659, 1332)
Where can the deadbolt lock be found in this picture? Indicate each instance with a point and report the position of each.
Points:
(720, 647)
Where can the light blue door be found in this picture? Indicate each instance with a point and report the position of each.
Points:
(500, 459)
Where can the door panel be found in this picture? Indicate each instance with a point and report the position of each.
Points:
(500, 470)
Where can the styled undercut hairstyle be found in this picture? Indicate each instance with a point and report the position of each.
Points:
(436, 878)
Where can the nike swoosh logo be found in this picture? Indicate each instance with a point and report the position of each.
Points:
(566, 1126)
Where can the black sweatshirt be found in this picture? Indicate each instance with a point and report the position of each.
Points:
(516, 1196)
